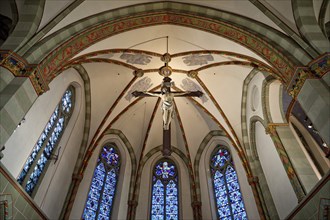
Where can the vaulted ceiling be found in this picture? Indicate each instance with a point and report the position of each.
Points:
(222, 59)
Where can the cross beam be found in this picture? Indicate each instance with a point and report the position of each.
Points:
(167, 107)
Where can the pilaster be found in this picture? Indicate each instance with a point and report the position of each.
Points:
(291, 172)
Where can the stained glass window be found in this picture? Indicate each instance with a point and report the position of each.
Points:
(165, 197)
(48, 141)
(226, 188)
(103, 187)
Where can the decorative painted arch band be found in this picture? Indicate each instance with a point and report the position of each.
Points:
(54, 61)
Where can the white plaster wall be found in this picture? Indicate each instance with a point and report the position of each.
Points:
(54, 186)
(144, 203)
(35, 122)
(119, 210)
(278, 182)
(274, 102)
(208, 200)
(256, 81)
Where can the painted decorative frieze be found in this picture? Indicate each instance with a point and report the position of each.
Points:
(20, 68)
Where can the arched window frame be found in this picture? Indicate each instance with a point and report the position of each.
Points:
(165, 182)
(108, 168)
(222, 169)
(48, 143)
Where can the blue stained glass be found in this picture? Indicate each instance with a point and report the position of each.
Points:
(227, 218)
(220, 191)
(110, 156)
(235, 196)
(220, 158)
(233, 186)
(224, 211)
(171, 200)
(157, 199)
(231, 174)
(219, 178)
(237, 207)
(222, 200)
(67, 101)
(37, 147)
(89, 215)
(240, 216)
(104, 210)
(165, 170)
(164, 203)
(46, 143)
(157, 217)
(226, 188)
(102, 189)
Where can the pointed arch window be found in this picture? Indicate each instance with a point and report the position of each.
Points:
(37, 162)
(227, 194)
(165, 195)
(103, 187)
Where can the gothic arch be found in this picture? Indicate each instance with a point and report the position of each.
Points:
(266, 202)
(203, 184)
(308, 26)
(236, 31)
(152, 157)
(267, 190)
(128, 167)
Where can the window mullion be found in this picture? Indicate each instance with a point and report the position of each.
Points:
(101, 193)
(27, 176)
(227, 190)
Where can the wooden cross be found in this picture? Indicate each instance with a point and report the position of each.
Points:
(167, 108)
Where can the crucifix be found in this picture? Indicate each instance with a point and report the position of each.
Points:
(167, 106)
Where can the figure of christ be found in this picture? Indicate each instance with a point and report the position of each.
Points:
(167, 100)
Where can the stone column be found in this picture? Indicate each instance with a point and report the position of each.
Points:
(297, 157)
(312, 91)
(291, 172)
(20, 85)
(16, 98)
(197, 210)
(254, 183)
(131, 211)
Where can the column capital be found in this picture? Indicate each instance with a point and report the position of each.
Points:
(271, 127)
(300, 76)
(19, 67)
(314, 70)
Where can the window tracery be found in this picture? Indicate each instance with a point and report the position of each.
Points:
(35, 165)
(103, 187)
(165, 196)
(228, 198)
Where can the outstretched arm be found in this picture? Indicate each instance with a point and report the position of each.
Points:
(145, 94)
(192, 94)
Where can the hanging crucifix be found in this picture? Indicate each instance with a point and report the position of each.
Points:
(167, 106)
